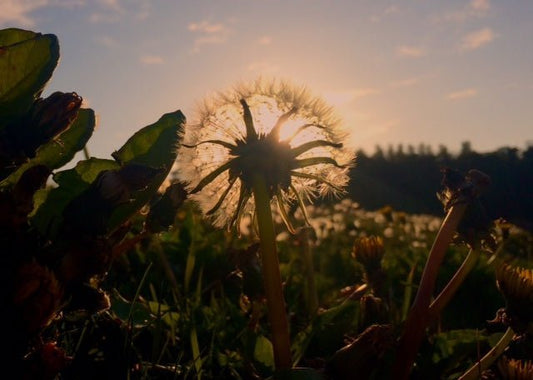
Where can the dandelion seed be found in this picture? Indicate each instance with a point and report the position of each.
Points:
(269, 127)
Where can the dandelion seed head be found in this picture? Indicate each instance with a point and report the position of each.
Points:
(293, 139)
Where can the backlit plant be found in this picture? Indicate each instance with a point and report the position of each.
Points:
(60, 237)
(259, 142)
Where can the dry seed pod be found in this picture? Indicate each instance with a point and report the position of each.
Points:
(512, 369)
(516, 285)
(368, 251)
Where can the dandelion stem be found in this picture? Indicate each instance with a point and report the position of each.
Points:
(486, 361)
(271, 275)
(418, 317)
(312, 295)
(447, 293)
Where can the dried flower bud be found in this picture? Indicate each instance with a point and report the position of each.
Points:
(55, 114)
(512, 369)
(475, 228)
(369, 252)
(516, 285)
(37, 295)
(49, 117)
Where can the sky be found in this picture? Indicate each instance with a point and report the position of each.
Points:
(397, 72)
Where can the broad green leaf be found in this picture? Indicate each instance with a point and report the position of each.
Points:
(263, 352)
(50, 203)
(61, 150)
(12, 36)
(153, 146)
(27, 61)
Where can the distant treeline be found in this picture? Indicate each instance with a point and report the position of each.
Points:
(408, 179)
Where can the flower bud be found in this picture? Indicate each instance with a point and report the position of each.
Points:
(516, 285)
(369, 252)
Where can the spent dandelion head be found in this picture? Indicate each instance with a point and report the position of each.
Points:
(516, 285)
(269, 128)
(512, 369)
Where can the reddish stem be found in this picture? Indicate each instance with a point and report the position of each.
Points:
(419, 316)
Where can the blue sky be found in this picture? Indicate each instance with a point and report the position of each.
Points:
(410, 72)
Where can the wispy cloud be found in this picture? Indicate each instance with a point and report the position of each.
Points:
(390, 10)
(462, 94)
(474, 9)
(477, 39)
(342, 97)
(208, 33)
(206, 27)
(104, 17)
(106, 41)
(480, 5)
(410, 51)
(111, 5)
(111, 11)
(19, 12)
(408, 82)
(265, 40)
(151, 60)
(263, 67)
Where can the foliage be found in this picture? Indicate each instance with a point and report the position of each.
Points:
(106, 274)
(394, 178)
(60, 236)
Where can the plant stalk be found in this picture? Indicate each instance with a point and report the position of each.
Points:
(490, 357)
(312, 295)
(418, 317)
(448, 292)
(271, 275)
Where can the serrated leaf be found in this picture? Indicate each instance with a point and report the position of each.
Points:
(27, 61)
(50, 204)
(153, 146)
(60, 151)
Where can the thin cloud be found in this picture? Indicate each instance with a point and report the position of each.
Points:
(111, 4)
(410, 51)
(265, 40)
(477, 39)
(462, 94)
(480, 5)
(263, 67)
(208, 33)
(107, 41)
(151, 60)
(206, 27)
(19, 12)
(342, 97)
(389, 11)
(408, 82)
(474, 9)
(110, 12)
(104, 17)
